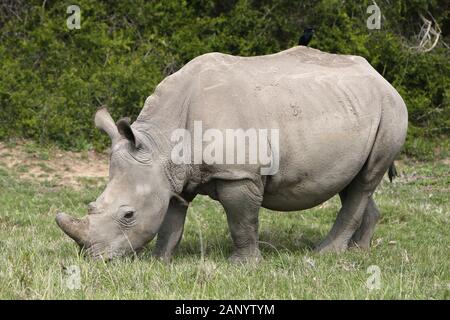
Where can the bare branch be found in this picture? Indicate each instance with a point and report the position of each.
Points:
(428, 31)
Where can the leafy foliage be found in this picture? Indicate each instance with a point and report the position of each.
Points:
(53, 78)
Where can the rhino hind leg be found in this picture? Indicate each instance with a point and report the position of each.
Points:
(242, 200)
(358, 200)
(363, 235)
(348, 220)
(358, 216)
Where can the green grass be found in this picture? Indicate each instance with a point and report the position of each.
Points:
(411, 248)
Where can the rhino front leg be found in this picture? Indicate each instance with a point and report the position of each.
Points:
(171, 231)
(241, 201)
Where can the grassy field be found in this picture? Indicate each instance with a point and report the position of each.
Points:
(411, 247)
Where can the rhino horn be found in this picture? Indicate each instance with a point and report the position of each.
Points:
(73, 227)
(104, 121)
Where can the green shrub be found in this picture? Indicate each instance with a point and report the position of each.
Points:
(53, 78)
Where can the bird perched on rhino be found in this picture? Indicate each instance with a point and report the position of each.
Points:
(306, 36)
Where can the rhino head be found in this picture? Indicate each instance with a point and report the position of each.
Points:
(129, 212)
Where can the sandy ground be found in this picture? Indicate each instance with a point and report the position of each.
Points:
(61, 167)
(67, 168)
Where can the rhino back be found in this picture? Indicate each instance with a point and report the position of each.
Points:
(326, 107)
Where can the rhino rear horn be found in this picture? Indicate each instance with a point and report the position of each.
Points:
(104, 121)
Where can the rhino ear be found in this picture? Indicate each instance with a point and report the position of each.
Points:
(125, 130)
(104, 121)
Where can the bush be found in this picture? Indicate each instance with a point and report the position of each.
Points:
(53, 79)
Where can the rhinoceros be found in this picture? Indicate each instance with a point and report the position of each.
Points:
(340, 126)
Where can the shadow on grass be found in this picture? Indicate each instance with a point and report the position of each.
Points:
(271, 243)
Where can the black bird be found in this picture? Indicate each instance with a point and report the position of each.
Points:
(306, 37)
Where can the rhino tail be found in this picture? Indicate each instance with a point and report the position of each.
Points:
(392, 172)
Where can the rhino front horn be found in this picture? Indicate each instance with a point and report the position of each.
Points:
(73, 227)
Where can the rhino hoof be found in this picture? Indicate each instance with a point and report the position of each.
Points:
(161, 257)
(245, 259)
(330, 247)
(363, 245)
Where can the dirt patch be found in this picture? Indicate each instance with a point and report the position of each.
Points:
(30, 161)
(66, 168)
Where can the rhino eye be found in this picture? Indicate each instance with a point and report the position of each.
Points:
(129, 215)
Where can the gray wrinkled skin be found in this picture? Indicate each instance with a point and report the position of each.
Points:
(341, 127)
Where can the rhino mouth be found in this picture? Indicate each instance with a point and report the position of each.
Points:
(103, 251)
